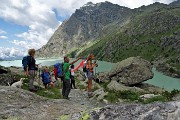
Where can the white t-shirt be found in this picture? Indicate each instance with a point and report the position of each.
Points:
(72, 72)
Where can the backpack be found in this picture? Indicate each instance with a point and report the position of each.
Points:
(25, 62)
(45, 77)
(84, 67)
(59, 67)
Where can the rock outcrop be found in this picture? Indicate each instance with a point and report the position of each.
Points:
(24, 105)
(154, 111)
(4, 70)
(131, 71)
(10, 75)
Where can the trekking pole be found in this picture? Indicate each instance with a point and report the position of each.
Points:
(39, 69)
(95, 70)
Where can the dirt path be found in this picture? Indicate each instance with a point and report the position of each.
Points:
(81, 97)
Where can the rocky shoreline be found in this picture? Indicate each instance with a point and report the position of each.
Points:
(161, 65)
(168, 70)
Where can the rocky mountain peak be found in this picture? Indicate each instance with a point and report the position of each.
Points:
(177, 2)
(85, 25)
(88, 4)
(91, 7)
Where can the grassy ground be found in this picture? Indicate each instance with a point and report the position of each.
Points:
(52, 93)
(130, 96)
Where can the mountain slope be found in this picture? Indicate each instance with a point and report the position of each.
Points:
(84, 25)
(88, 24)
(177, 2)
(149, 35)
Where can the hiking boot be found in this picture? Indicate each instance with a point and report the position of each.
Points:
(90, 94)
(33, 90)
(64, 97)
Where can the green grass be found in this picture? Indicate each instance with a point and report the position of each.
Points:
(79, 86)
(111, 97)
(154, 99)
(131, 96)
(126, 95)
(95, 88)
(52, 93)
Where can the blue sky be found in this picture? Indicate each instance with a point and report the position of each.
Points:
(28, 24)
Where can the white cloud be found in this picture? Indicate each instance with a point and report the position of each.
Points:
(3, 37)
(38, 16)
(11, 52)
(67, 7)
(20, 43)
(2, 31)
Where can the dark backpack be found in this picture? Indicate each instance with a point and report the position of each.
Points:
(84, 67)
(59, 67)
(25, 62)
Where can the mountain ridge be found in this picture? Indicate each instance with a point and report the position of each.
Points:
(84, 25)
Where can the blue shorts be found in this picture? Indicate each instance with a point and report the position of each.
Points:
(90, 75)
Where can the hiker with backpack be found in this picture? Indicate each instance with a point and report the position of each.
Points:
(46, 78)
(30, 67)
(66, 80)
(90, 73)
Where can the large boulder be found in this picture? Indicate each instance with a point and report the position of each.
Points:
(133, 70)
(8, 79)
(6, 76)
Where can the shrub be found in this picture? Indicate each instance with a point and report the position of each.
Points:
(172, 70)
(128, 95)
(111, 97)
(157, 98)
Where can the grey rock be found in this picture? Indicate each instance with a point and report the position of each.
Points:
(99, 94)
(4, 70)
(148, 96)
(132, 71)
(24, 105)
(153, 111)
(114, 85)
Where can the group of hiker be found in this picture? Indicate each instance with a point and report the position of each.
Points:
(64, 71)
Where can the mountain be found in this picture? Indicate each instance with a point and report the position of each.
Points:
(177, 2)
(89, 23)
(149, 34)
(114, 33)
(86, 24)
(153, 34)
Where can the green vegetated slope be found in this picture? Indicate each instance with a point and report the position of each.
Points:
(149, 34)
